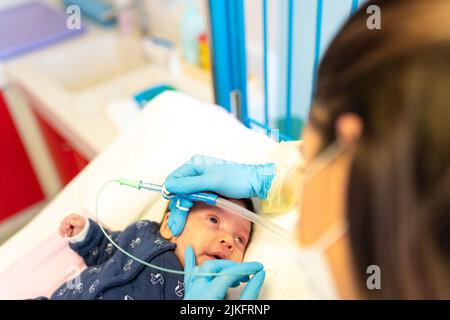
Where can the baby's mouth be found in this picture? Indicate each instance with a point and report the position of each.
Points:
(216, 255)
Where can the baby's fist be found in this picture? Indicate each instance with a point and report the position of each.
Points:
(72, 225)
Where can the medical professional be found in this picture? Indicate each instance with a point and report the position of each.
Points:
(377, 164)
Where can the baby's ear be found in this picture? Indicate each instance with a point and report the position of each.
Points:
(164, 228)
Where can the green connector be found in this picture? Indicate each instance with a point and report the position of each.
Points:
(128, 182)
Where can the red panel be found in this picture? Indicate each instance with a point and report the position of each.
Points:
(80, 160)
(68, 162)
(19, 186)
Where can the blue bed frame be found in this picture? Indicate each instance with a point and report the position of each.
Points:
(228, 55)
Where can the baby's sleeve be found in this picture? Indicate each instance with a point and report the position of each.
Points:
(95, 248)
(82, 235)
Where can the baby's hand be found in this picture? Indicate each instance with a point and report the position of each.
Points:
(72, 225)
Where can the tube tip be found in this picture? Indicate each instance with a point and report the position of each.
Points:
(129, 182)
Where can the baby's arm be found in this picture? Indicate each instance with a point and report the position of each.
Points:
(87, 239)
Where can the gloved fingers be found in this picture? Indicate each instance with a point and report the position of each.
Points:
(173, 203)
(191, 177)
(234, 274)
(215, 287)
(187, 170)
(253, 287)
(215, 266)
(189, 266)
(175, 182)
(180, 201)
(183, 204)
(221, 283)
(210, 266)
(190, 184)
(237, 283)
(177, 221)
(231, 267)
(179, 209)
(244, 268)
(189, 259)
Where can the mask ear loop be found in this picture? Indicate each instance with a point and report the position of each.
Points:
(206, 274)
(333, 234)
(339, 229)
(322, 161)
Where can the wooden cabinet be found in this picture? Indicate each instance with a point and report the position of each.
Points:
(19, 186)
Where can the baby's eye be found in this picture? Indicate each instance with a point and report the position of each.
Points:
(213, 220)
(240, 239)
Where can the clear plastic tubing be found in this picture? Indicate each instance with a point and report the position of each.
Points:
(247, 214)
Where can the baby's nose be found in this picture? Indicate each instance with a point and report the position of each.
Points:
(227, 240)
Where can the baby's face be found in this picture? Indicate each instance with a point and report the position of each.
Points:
(213, 233)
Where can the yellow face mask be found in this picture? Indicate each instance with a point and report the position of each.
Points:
(292, 173)
(285, 189)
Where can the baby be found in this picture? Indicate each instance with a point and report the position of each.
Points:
(212, 232)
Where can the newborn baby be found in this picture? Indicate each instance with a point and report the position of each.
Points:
(212, 232)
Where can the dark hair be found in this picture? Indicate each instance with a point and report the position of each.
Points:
(397, 80)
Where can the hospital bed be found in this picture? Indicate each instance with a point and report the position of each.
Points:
(172, 128)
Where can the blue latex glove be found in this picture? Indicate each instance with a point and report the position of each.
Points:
(229, 179)
(179, 209)
(215, 287)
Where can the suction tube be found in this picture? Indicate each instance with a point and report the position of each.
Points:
(211, 199)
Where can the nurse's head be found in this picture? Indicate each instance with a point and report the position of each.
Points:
(383, 101)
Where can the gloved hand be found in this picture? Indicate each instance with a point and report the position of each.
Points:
(215, 287)
(179, 209)
(230, 179)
